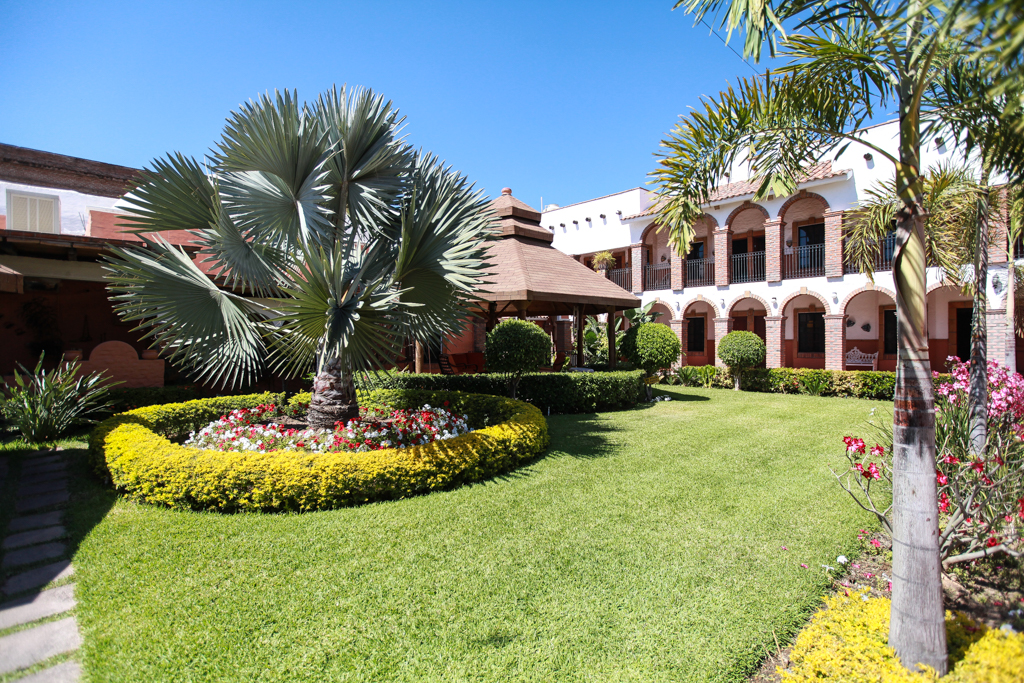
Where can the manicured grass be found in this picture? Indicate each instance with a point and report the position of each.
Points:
(646, 546)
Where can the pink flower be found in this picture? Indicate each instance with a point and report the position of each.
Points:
(877, 450)
(803, 565)
(950, 459)
(890, 586)
(785, 548)
(978, 465)
(941, 478)
(875, 542)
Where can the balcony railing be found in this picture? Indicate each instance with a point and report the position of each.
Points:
(805, 261)
(700, 272)
(882, 259)
(748, 267)
(623, 277)
(657, 276)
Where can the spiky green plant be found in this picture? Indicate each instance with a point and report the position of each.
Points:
(329, 239)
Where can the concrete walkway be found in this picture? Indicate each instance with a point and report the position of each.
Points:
(34, 555)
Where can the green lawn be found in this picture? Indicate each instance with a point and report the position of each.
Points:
(646, 546)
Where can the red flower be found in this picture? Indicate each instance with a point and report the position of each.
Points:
(991, 541)
(943, 502)
(978, 465)
(941, 478)
(877, 450)
(950, 459)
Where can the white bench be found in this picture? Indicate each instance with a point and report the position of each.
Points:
(857, 357)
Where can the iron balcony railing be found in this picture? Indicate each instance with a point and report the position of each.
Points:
(657, 276)
(748, 267)
(623, 277)
(700, 272)
(883, 257)
(805, 261)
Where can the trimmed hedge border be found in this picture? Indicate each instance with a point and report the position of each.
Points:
(876, 385)
(133, 450)
(555, 392)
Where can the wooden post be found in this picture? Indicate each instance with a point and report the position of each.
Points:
(419, 357)
(612, 353)
(492, 315)
(579, 336)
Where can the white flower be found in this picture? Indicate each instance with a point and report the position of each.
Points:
(842, 559)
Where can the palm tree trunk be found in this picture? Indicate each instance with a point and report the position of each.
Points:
(917, 629)
(334, 397)
(978, 390)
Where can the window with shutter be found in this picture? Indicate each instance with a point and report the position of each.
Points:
(33, 213)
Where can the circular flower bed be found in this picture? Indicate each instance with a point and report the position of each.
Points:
(134, 450)
(243, 429)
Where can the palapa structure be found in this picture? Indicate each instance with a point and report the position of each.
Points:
(529, 277)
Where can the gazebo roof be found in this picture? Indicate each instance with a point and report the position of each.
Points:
(526, 268)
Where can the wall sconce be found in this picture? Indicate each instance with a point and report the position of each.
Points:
(866, 327)
(775, 302)
(727, 174)
(850, 322)
(663, 258)
(677, 305)
(789, 243)
(868, 156)
(939, 143)
(723, 304)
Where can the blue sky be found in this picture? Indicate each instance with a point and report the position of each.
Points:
(561, 100)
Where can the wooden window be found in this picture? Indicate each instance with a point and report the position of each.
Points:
(696, 334)
(810, 332)
(889, 329)
(33, 212)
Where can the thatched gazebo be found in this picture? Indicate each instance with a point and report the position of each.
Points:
(530, 278)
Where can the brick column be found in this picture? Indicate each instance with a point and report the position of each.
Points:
(834, 244)
(723, 256)
(723, 326)
(775, 341)
(835, 341)
(995, 320)
(774, 246)
(637, 263)
(681, 328)
(678, 266)
(997, 221)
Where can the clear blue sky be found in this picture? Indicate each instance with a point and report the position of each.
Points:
(565, 100)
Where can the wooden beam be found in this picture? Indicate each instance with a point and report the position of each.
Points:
(580, 360)
(612, 354)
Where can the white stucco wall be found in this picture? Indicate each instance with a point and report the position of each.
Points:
(74, 206)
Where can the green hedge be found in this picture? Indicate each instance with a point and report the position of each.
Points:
(123, 399)
(847, 383)
(140, 460)
(555, 392)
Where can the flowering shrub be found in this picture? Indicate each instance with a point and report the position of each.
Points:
(133, 450)
(240, 431)
(848, 641)
(981, 497)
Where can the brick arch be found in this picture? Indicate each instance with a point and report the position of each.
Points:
(670, 307)
(648, 230)
(767, 308)
(938, 285)
(819, 297)
(703, 299)
(861, 290)
(712, 219)
(743, 207)
(802, 194)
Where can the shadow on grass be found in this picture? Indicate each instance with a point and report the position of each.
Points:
(676, 396)
(89, 500)
(583, 436)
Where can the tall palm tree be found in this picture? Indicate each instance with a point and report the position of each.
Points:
(331, 242)
(848, 59)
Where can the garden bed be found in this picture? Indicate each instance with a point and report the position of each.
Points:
(135, 451)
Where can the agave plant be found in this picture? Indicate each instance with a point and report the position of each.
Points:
(324, 241)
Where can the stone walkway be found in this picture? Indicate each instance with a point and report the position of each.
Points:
(34, 556)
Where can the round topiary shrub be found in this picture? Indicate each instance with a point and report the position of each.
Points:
(515, 347)
(652, 346)
(134, 452)
(740, 350)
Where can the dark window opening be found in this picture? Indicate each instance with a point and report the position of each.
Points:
(758, 241)
(964, 324)
(695, 335)
(889, 331)
(811, 333)
(739, 246)
(812, 234)
(696, 251)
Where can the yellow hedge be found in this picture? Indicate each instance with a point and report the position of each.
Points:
(848, 642)
(142, 461)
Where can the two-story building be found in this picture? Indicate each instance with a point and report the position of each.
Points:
(776, 268)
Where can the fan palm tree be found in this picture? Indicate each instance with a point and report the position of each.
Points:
(848, 59)
(331, 242)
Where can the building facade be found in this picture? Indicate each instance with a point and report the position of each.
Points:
(777, 268)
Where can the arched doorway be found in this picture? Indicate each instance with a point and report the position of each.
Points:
(699, 345)
(871, 327)
(950, 313)
(805, 332)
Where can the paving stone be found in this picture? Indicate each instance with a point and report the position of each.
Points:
(43, 535)
(43, 500)
(33, 554)
(32, 521)
(38, 576)
(38, 606)
(32, 646)
(65, 672)
(49, 486)
(28, 472)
